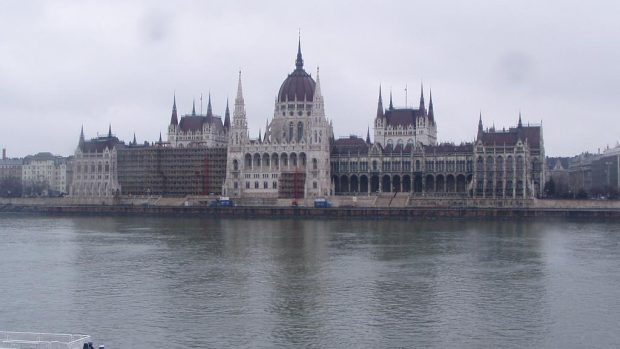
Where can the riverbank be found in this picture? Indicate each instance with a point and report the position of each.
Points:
(310, 212)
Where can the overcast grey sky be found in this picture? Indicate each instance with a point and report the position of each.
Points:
(68, 63)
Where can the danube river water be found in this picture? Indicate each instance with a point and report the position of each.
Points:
(135, 282)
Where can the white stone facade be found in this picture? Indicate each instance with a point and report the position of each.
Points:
(295, 147)
(95, 168)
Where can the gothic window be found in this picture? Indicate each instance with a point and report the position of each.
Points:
(274, 184)
(315, 137)
(374, 165)
(235, 165)
(265, 185)
(247, 185)
(256, 185)
(248, 161)
(293, 159)
(314, 185)
(315, 163)
(290, 131)
(300, 130)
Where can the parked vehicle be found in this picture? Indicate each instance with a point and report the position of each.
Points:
(322, 203)
(222, 202)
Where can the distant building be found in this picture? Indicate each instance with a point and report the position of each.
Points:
(10, 168)
(10, 176)
(44, 174)
(557, 174)
(605, 179)
(95, 167)
(160, 169)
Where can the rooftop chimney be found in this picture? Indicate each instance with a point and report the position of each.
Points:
(3, 153)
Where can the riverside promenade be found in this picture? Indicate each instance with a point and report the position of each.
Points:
(343, 207)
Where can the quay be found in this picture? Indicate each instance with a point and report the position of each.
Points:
(343, 208)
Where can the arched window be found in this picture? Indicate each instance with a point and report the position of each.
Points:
(235, 165)
(300, 131)
(315, 164)
(290, 131)
(248, 161)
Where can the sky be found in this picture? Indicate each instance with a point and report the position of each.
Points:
(68, 64)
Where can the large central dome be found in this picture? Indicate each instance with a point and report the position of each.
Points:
(299, 85)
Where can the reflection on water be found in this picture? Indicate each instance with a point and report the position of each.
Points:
(179, 283)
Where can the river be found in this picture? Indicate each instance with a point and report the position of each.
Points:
(140, 282)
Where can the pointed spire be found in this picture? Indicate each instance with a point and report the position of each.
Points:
(266, 128)
(299, 62)
(520, 124)
(227, 116)
(160, 141)
(317, 88)
(431, 113)
(421, 96)
(368, 134)
(209, 110)
(239, 98)
(110, 130)
(81, 141)
(173, 119)
(391, 104)
(194, 107)
(134, 139)
(380, 104)
(480, 122)
(260, 137)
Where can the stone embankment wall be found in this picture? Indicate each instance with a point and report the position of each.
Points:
(198, 206)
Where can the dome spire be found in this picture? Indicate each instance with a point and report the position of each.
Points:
(299, 63)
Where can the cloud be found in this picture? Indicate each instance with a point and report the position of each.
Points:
(64, 64)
